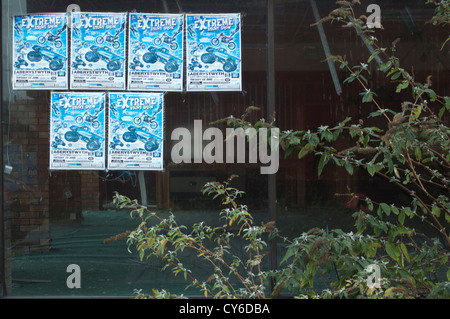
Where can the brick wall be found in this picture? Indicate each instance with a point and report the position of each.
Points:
(36, 195)
(26, 151)
(65, 198)
(90, 196)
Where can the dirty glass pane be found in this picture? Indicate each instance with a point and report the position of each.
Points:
(55, 219)
(311, 93)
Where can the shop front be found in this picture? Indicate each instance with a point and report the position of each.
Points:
(113, 96)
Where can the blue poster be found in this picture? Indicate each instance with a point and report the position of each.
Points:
(77, 131)
(40, 52)
(155, 58)
(98, 51)
(136, 131)
(213, 52)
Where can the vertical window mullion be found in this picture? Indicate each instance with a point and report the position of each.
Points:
(270, 111)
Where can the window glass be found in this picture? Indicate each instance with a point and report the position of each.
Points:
(54, 219)
(311, 93)
(58, 218)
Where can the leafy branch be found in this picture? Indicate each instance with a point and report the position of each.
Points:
(411, 151)
(164, 239)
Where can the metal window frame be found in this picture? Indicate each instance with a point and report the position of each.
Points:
(2, 215)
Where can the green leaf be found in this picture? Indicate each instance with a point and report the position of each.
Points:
(385, 207)
(405, 252)
(401, 217)
(447, 102)
(397, 174)
(406, 275)
(394, 210)
(370, 249)
(350, 78)
(409, 135)
(384, 67)
(393, 251)
(403, 85)
(436, 211)
(416, 112)
(369, 204)
(305, 150)
(343, 65)
(373, 55)
(418, 153)
(432, 94)
(289, 253)
(363, 78)
(288, 152)
(327, 135)
(371, 169)
(294, 140)
(322, 162)
(407, 211)
(441, 112)
(367, 96)
(396, 75)
(349, 168)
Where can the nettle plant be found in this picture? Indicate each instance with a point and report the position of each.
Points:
(409, 148)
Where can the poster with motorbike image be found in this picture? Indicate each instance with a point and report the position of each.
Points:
(155, 57)
(213, 52)
(135, 133)
(77, 131)
(98, 51)
(40, 52)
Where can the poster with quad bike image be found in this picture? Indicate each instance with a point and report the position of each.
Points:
(155, 57)
(40, 52)
(213, 52)
(77, 131)
(136, 128)
(98, 51)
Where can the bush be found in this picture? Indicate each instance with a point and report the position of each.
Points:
(232, 275)
(384, 257)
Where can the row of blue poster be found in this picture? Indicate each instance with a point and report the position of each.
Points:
(131, 140)
(127, 51)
